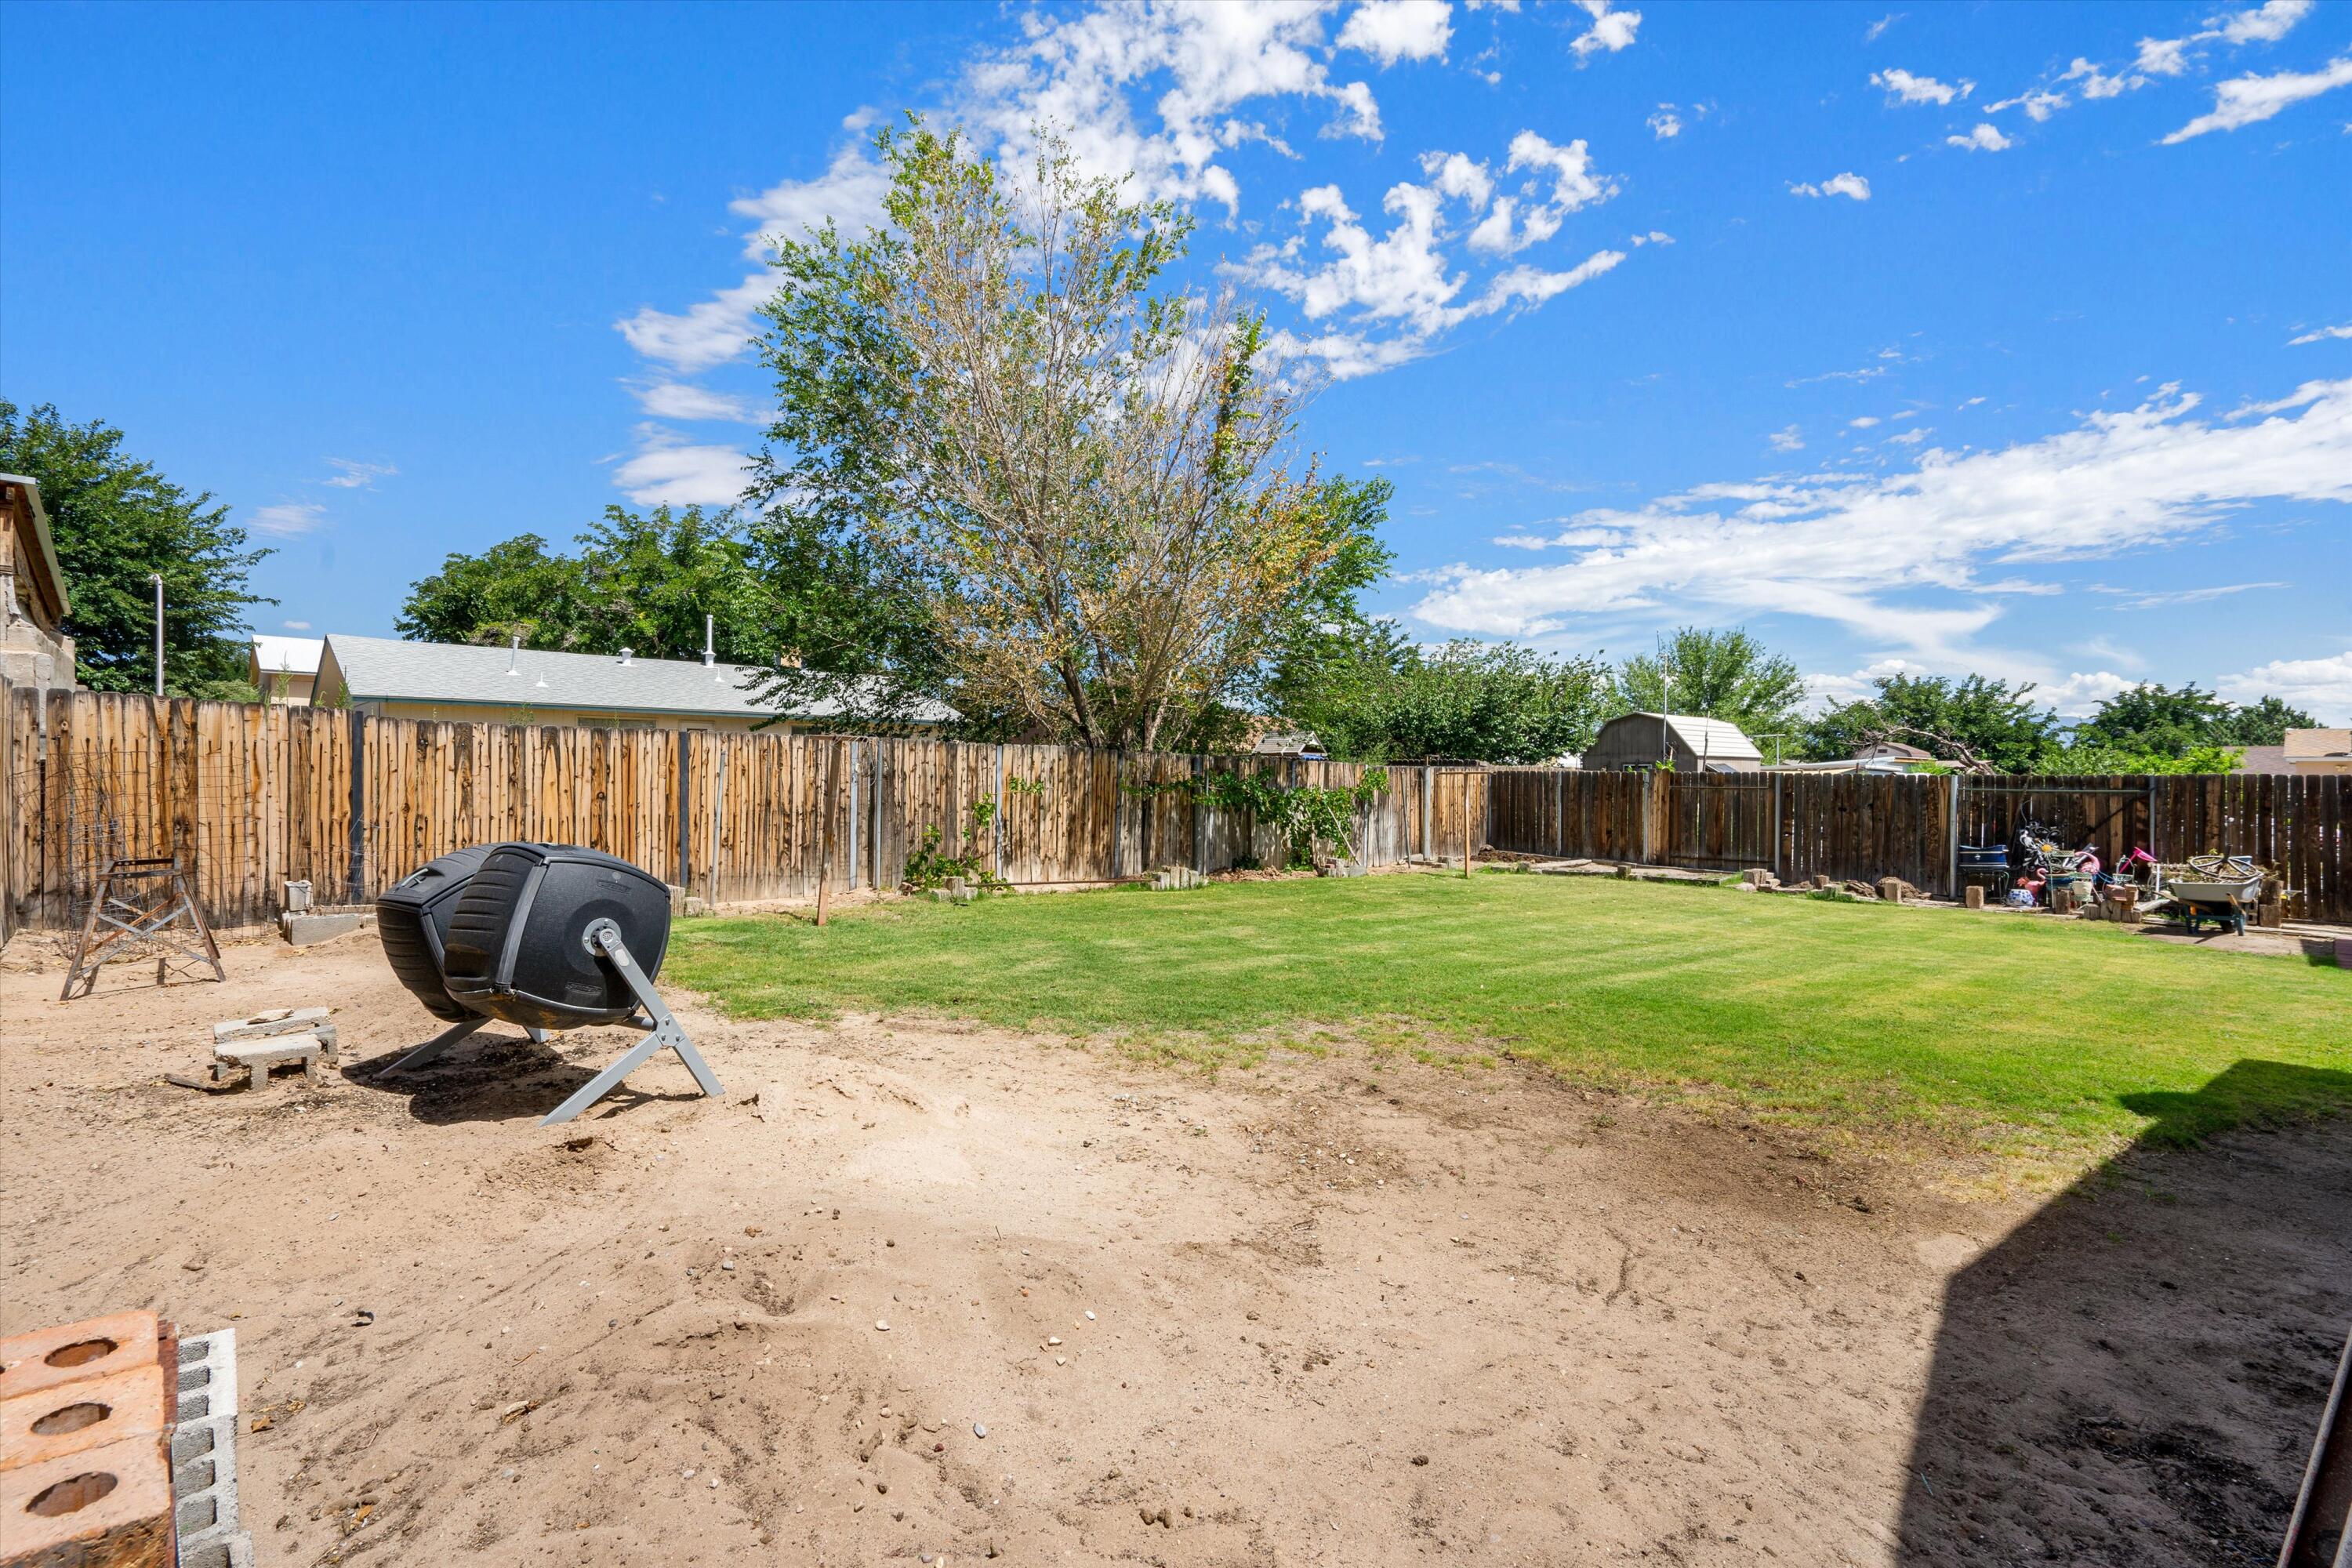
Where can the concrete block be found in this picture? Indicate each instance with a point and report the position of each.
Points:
(69, 1352)
(90, 1413)
(304, 931)
(1757, 876)
(204, 1456)
(109, 1507)
(252, 1059)
(696, 906)
(1972, 897)
(2272, 915)
(1890, 889)
(277, 1021)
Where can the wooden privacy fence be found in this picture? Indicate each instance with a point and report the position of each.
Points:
(251, 797)
(1868, 826)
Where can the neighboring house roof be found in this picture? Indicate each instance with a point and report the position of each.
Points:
(45, 549)
(1714, 739)
(287, 656)
(2264, 760)
(1282, 742)
(1896, 750)
(2312, 745)
(385, 669)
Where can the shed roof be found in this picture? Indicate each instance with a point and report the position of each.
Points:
(287, 656)
(43, 547)
(1715, 739)
(388, 669)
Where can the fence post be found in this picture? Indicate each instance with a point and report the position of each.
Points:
(1952, 869)
(1200, 821)
(853, 819)
(1428, 806)
(685, 807)
(355, 873)
(997, 825)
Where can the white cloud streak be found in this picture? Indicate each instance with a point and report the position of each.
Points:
(288, 520)
(2250, 100)
(355, 476)
(1612, 30)
(2321, 686)
(1902, 87)
(1985, 138)
(667, 469)
(1393, 30)
(1898, 557)
(2320, 334)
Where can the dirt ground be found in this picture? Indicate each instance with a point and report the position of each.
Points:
(1337, 1310)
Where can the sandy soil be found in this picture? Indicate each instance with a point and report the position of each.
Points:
(1336, 1311)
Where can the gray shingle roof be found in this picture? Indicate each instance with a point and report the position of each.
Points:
(387, 669)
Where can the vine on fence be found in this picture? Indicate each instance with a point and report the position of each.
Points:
(930, 865)
(1302, 814)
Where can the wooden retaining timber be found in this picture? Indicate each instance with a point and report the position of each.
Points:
(255, 797)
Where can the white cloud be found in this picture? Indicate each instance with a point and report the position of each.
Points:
(1612, 30)
(1846, 184)
(1985, 138)
(289, 519)
(1877, 29)
(2265, 24)
(1665, 125)
(295, 626)
(2321, 686)
(1655, 236)
(1394, 293)
(1902, 87)
(2164, 600)
(2318, 334)
(849, 194)
(2078, 695)
(2248, 99)
(669, 471)
(1863, 423)
(711, 332)
(683, 400)
(355, 476)
(1898, 557)
(2039, 104)
(1393, 30)
(2097, 83)
(1907, 438)
(1786, 439)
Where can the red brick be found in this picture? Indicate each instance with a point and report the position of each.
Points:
(25, 1363)
(130, 1526)
(87, 1414)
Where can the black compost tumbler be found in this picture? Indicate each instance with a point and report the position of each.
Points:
(413, 917)
(517, 948)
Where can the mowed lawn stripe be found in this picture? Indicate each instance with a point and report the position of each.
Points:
(1985, 1025)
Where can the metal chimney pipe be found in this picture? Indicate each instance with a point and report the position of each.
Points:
(710, 648)
(514, 655)
(626, 653)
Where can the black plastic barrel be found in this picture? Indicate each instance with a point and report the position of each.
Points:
(413, 917)
(516, 948)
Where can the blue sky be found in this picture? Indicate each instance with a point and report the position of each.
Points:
(2006, 338)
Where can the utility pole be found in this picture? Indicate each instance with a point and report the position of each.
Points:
(158, 576)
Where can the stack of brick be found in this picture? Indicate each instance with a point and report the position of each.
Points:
(116, 1444)
(86, 1415)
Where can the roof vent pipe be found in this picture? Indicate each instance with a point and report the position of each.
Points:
(514, 655)
(626, 653)
(710, 649)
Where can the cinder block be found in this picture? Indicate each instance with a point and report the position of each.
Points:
(109, 1507)
(1890, 889)
(204, 1455)
(1972, 897)
(68, 1352)
(88, 1413)
(1758, 876)
(277, 1021)
(304, 931)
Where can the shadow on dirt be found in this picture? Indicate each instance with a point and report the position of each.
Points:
(2135, 1375)
(497, 1075)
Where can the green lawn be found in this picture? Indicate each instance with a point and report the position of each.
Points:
(2000, 1031)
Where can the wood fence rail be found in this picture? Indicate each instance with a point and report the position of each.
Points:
(254, 796)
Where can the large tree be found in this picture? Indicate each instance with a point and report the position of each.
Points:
(117, 523)
(1725, 675)
(1974, 723)
(1087, 484)
(2265, 723)
(2155, 721)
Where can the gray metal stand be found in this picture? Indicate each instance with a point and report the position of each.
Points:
(604, 939)
(448, 1037)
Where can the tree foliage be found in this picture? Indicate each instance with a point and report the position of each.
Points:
(1726, 674)
(1469, 700)
(2157, 722)
(2265, 723)
(116, 521)
(1972, 721)
(1084, 486)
